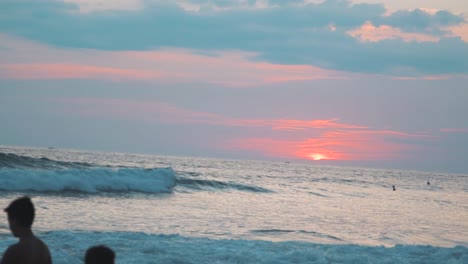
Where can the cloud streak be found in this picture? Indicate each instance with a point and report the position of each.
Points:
(25, 60)
(337, 145)
(334, 140)
(156, 111)
(371, 33)
(47, 71)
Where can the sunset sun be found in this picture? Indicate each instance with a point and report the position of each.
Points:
(317, 156)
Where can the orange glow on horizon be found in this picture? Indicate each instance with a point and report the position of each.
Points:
(316, 139)
(320, 153)
(335, 145)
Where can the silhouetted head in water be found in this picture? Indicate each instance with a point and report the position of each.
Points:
(394, 188)
(99, 255)
(20, 214)
(29, 249)
(428, 183)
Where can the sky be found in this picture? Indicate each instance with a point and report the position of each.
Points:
(373, 83)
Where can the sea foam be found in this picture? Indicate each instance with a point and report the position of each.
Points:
(69, 247)
(92, 180)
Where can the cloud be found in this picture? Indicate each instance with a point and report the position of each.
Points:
(454, 6)
(71, 71)
(288, 33)
(156, 111)
(421, 20)
(360, 145)
(460, 31)
(28, 60)
(333, 140)
(369, 32)
(291, 124)
(88, 6)
(394, 123)
(336, 145)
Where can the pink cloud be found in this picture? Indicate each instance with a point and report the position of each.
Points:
(159, 111)
(334, 145)
(333, 140)
(240, 68)
(22, 59)
(460, 31)
(360, 145)
(370, 33)
(71, 71)
(294, 124)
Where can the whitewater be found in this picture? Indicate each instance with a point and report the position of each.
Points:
(162, 209)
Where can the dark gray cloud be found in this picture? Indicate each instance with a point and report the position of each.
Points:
(289, 34)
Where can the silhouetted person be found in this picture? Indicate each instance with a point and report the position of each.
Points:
(99, 255)
(394, 188)
(29, 249)
(428, 183)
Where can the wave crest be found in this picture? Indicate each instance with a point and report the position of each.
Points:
(9, 160)
(93, 180)
(199, 184)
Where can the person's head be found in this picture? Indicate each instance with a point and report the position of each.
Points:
(99, 255)
(20, 214)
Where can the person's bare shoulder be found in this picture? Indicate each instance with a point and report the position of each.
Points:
(30, 251)
(11, 255)
(42, 252)
(48, 257)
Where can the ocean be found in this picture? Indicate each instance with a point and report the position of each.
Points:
(164, 209)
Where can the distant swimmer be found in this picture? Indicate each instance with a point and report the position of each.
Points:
(394, 188)
(428, 183)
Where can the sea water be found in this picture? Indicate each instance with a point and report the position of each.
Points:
(159, 209)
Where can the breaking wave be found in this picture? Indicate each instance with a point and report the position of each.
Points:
(93, 180)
